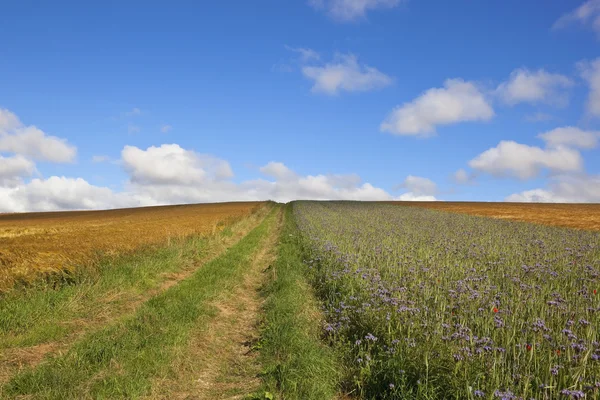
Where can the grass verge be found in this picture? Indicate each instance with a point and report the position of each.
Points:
(120, 360)
(297, 364)
(39, 314)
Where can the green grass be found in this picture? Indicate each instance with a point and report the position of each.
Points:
(120, 360)
(297, 364)
(41, 313)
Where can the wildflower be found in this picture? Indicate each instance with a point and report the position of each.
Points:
(495, 310)
(574, 394)
(528, 346)
(392, 385)
(371, 337)
(479, 393)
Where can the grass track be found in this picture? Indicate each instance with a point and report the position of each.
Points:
(297, 364)
(35, 315)
(120, 360)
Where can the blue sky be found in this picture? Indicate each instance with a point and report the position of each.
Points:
(137, 103)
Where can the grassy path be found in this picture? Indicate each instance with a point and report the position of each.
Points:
(219, 362)
(120, 359)
(297, 364)
(35, 324)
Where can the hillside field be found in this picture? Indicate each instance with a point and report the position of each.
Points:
(308, 300)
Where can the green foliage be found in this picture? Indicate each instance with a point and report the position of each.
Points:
(432, 305)
(119, 360)
(297, 365)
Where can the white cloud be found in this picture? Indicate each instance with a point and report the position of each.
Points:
(419, 189)
(538, 86)
(419, 186)
(8, 120)
(306, 55)
(457, 101)
(32, 142)
(61, 193)
(13, 169)
(171, 164)
(586, 14)
(344, 73)
(149, 185)
(590, 71)
(278, 171)
(572, 137)
(165, 128)
(462, 177)
(522, 161)
(349, 10)
(414, 197)
(563, 189)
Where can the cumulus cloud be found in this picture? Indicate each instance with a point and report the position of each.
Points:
(587, 14)
(14, 169)
(170, 174)
(462, 177)
(590, 71)
(8, 121)
(509, 158)
(538, 86)
(419, 189)
(419, 186)
(457, 101)
(572, 137)
(278, 171)
(563, 189)
(350, 10)
(61, 193)
(344, 73)
(171, 164)
(29, 141)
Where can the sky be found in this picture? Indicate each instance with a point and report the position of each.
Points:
(133, 103)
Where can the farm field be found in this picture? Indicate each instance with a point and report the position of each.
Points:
(32, 244)
(314, 300)
(423, 304)
(579, 216)
(142, 312)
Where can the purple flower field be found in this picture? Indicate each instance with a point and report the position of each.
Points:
(424, 304)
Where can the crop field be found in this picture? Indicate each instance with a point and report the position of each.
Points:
(423, 304)
(35, 243)
(309, 300)
(579, 216)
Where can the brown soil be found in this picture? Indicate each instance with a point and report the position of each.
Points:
(579, 216)
(220, 362)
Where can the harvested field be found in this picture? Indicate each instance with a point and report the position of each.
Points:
(578, 216)
(36, 243)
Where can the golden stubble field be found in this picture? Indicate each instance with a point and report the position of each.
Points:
(35, 243)
(578, 216)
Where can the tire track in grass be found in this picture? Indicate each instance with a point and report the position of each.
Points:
(219, 362)
(61, 317)
(120, 360)
(297, 364)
